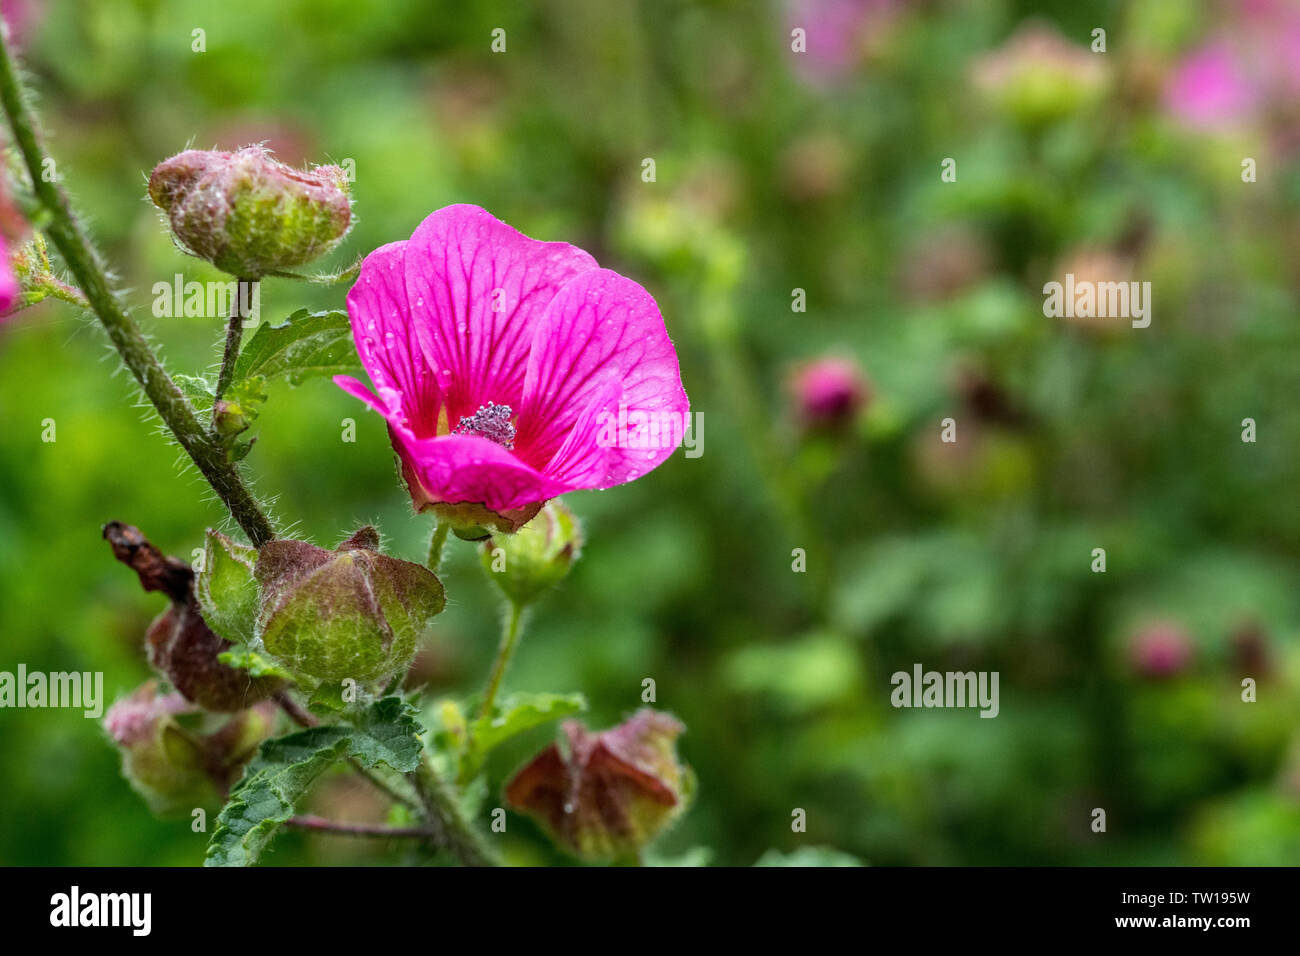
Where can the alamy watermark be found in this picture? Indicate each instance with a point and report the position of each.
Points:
(82, 690)
(207, 300)
(650, 429)
(1084, 299)
(922, 688)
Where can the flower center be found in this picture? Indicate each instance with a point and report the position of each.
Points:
(491, 421)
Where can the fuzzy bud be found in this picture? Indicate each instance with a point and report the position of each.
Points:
(613, 792)
(248, 214)
(175, 769)
(348, 613)
(525, 564)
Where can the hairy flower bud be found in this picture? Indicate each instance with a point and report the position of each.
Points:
(612, 792)
(175, 769)
(349, 613)
(248, 214)
(537, 557)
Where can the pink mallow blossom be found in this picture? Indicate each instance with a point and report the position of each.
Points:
(510, 370)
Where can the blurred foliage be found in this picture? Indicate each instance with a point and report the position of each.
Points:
(772, 174)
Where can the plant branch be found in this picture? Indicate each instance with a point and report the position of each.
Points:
(234, 334)
(509, 641)
(451, 831)
(435, 545)
(84, 264)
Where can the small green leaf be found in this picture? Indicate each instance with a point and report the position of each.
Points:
(514, 715)
(226, 589)
(285, 769)
(386, 732)
(194, 386)
(257, 666)
(304, 345)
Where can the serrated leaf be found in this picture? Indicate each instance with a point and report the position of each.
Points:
(387, 732)
(514, 715)
(194, 386)
(285, 768)
(304, 345)
(273, 782)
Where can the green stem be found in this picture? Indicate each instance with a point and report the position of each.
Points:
(84, 264)
(451, 831)
(509, 641)
(436, 543)
(234, 334)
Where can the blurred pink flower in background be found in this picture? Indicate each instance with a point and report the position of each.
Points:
(1209, 89)
(829, 391)
(1248, 66)
(1161, 649)
(838, 33)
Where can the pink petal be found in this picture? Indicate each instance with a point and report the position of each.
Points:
(477, 289)
(386, 340)
(459, 468)
(600, 329)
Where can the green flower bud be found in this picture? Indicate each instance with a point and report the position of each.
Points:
(349, 613)
(536, 558)
(248, 214)
(613, 792)
(175, 769)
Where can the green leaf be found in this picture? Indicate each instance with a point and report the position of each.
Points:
(226, 589)
(386, 732)
(194, 386)
(514, 715)
(273, 783)
(257, 666)
(285, 769)
(306, 344)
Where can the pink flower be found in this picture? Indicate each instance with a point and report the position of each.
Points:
(1161, 649)
(1210, 89)
(9, 287)
(829, 391)
(510, 370)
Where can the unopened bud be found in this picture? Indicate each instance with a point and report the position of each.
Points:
(537, 557)
(248, 214)
(349, 613)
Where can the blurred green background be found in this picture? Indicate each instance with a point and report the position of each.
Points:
(775, 171)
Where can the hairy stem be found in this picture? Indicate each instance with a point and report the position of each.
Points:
(451, 831)
(509, 641)
(234, 334)
(379, 830)
(435, 545)
(84, 264)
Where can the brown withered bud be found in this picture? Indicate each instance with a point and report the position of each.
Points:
(612, 792)
(179, 642)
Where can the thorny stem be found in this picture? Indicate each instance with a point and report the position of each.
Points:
(83, 262)
(379, 830)
(509, 641)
